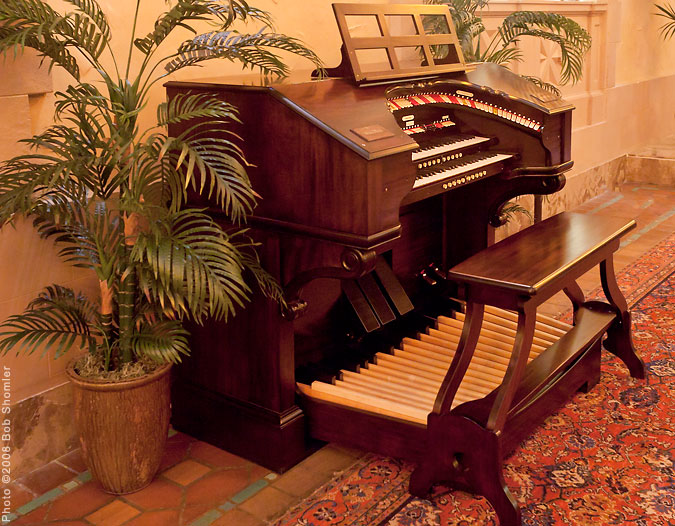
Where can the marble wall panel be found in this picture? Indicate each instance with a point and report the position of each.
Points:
(41, 430)
(582, 186)
(650, 170)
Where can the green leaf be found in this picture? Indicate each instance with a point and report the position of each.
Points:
(573, 40)
(194, 267)
(57, 319)
(161, 341)
(247, 49)
(668, 12)
(34, 24)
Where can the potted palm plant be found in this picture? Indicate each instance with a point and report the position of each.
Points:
(573, 40)
(113, 197)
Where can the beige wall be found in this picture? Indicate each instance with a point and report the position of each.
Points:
(624, 101)
(642, 54)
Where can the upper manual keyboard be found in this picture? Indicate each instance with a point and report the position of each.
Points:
(449, 146)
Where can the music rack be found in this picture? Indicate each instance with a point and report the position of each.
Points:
(426, 31)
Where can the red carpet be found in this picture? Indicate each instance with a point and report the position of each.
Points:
(607, 457)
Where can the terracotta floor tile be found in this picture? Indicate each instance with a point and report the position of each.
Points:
(214, 456)
(257, 472)
(18, 495)
(45, 478)
(355, 453)
(186, 472)
(300, 481)
(156, 518)
(34, 517)
(213, 490)
(113, 514)
(73, 460)
(175, 450)
(328, 459)
(79, 502)
(238, 518)
(160, 494)
(268, 503)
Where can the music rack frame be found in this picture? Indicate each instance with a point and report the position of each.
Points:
(389, 42)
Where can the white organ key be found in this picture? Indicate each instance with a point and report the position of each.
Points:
(445, 174)
(445, 148)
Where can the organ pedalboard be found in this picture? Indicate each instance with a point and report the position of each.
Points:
(404, 383)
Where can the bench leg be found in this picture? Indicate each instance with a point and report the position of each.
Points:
(468, 457)
(575, 295)
(619, 340)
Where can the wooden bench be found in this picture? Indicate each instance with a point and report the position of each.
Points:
(467, 444)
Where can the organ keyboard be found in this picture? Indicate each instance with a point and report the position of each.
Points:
(466, 169)
(448, 149)
(377, 185)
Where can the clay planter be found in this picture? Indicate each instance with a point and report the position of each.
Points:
(122, 427)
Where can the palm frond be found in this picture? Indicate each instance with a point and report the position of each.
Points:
(193, 269)
(85, 238)
(93, 10)
(162, 341)
(19, 180)
(33, 23)
(511, 208)
(573, 40)
(178, 16)
(57, 319)
(543, 84)
(503, 56)
(45, 45)
(198, 10)
(668, 12)
(210, 166)
(247, 49)
(267, 284)
(187, 106)
(86, 154)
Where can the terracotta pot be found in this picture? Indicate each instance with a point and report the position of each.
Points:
(122, 427)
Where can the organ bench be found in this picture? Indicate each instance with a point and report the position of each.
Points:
(488, 400)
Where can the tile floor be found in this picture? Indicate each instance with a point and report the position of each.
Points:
(202, 485)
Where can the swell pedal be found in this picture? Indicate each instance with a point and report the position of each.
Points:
(378, 297)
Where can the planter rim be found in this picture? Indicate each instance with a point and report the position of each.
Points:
(94, 384)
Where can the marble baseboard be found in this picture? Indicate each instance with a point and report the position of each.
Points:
(650, 170)
(583, 186)
(41, 430)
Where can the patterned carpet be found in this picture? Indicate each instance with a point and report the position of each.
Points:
(607, 457)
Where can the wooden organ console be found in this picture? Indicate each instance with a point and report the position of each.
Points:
(406, 331)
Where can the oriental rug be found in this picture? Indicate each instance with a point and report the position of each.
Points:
(607, 457)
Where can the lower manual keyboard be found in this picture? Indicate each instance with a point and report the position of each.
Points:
(472, 164)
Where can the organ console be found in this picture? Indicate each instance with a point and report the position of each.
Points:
(379, 187)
